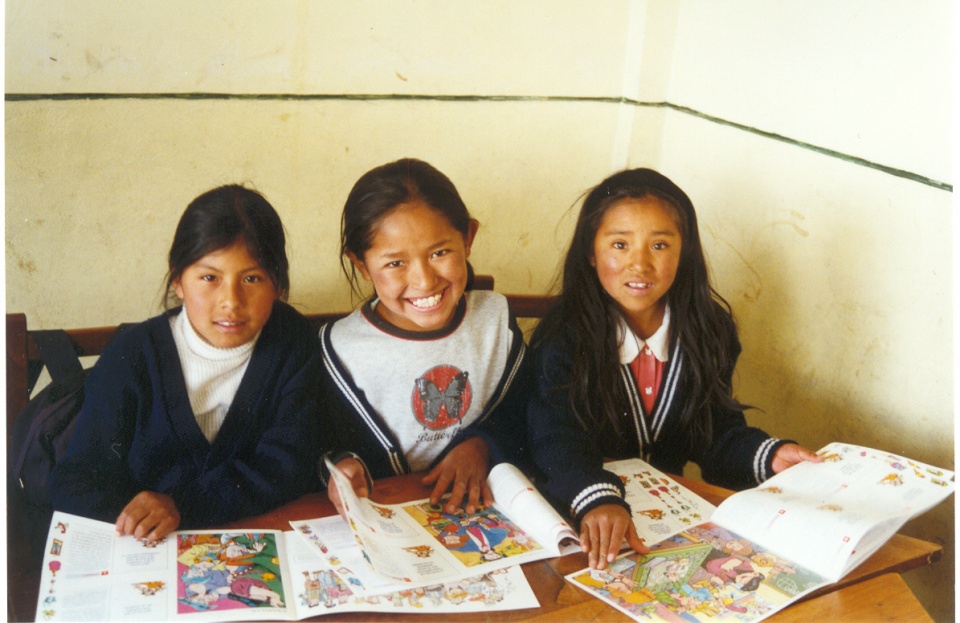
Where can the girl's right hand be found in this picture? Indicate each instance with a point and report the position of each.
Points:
(149, 515)
(354, 470)
(603, 529)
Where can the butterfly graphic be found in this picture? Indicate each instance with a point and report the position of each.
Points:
(432, 398)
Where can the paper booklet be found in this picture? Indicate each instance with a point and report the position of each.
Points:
(660, 506)
(416, 543)
(763, 548)
(91, 574)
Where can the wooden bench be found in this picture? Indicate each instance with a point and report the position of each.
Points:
(24, 364)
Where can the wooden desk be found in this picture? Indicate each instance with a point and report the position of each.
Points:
(871, 589)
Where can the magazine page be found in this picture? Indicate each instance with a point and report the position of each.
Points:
(515, 494)
(661, 507)
(833, 515)
(418, 543)
(336, 578)
(705, 573)
(90, 574)
(232, 576)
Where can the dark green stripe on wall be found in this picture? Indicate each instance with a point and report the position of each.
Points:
(27, 97)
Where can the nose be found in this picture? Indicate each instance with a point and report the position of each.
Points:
(231, 295)
(422, 276)
(641, 259)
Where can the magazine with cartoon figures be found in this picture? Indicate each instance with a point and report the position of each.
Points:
(765, 547)
(91, 574)
(660, 506)
(417, 543)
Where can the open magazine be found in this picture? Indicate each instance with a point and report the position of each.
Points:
(417, 543)
(91, 574)
(763, 548)
(660, 506)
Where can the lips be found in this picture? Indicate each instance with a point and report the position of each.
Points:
(229, 324)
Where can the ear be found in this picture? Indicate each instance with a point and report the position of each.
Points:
(178, 288)
(471, 234)
(593, 260)
(359, 265)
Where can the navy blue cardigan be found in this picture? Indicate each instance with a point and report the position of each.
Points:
(137, 432)
(569, 458)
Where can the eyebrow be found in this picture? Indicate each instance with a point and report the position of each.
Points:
(250, 269)
(661, 232)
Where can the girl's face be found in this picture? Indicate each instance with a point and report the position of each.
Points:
(636, 252)
(417, 263)
(228, 296)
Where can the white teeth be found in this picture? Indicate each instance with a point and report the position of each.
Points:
(430, 301)
(635, 284)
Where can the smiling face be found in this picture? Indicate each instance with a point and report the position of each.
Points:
(417, 262)
(636, 252)
(227, 295)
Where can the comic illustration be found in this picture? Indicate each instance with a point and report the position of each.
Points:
(474, 539)
(703, 574)
(228, 571)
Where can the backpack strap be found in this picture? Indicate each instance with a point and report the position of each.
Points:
(58, 355)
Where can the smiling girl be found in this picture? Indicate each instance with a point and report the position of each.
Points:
(636, 360)
(427, 375)
(204, 414)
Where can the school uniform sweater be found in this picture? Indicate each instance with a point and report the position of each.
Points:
(137, 431)
(569, 458)
(401, 399)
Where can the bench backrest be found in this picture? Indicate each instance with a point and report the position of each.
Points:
(23, 358)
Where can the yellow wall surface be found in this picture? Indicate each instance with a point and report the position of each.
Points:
(814, 139)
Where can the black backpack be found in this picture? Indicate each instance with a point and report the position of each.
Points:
(42, 430)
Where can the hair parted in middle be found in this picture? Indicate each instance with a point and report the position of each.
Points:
(220, 217)
(584, 313)
(382, 189)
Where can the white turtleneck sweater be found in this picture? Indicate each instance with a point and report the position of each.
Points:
(212, 374)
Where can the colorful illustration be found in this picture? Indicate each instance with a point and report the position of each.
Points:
(228, 571)
(703, 574)
(483, 536)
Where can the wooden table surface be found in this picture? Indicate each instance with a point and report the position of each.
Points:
(854, 596)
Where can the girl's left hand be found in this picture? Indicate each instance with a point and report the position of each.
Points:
(791, 454)
(465, 467)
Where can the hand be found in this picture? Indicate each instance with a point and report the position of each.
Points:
(354, 470)
(148, 515)
(465, 467)
(791, 454)
(603, 529)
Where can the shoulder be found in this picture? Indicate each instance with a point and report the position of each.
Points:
(487, 299)
(488, 308)
(148, 343)
(288, 328)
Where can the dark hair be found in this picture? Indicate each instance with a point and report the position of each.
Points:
(585, 314)
(383, 188)
(220, 217)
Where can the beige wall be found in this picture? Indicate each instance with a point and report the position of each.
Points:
(839, 272)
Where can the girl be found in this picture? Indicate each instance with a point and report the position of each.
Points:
(204, 414)
(636, 359)
(427, 374)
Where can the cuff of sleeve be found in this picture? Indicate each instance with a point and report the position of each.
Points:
(594, 496)
(763, 461)
(336, 457)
